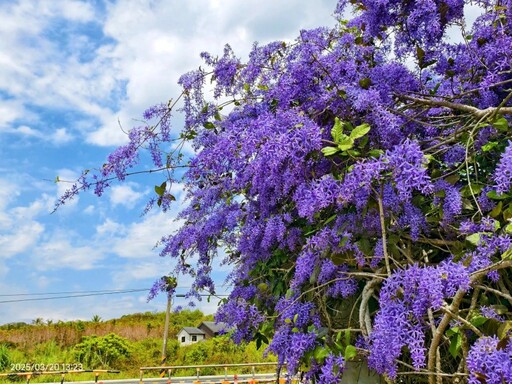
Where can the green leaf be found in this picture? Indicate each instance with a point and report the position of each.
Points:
(346, 144)
(478, 320)
(433, 91)
(452, 331)
(508, 228)
(420, 54)
(501, 124)
(320, 354)
(495, 196)
(262, 287)
(331, 218)
(347, 337)
(329, 151)
(490, 145)
(376, 153)
(247, 87)
(363, 142)
(507, 254)
(365, 83)
(263, 87)
(360, 131)
(452, 179)
(337, 130)
(474, 238)
(350, 352)
(504, 329)
(260, 339)
(160, 189)
(208, 125)
(507, 213)
(217, 116)
(295, 317)
(455, 345)
(497, 210)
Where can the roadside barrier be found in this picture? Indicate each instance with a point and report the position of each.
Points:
(229, 378)
(29, 375)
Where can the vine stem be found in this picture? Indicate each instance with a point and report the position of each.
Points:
(383, 232)
(479, 113)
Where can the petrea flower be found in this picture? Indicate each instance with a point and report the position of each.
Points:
(405, 298)
(490, 313)
(408, 165)
(332, 370)
(486, 360)
(503, 174)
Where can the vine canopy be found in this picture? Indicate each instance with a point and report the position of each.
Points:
(358, 181)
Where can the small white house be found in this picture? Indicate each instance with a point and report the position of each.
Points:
(190, 335)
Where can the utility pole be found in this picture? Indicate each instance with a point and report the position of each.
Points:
(166, 329)
(172, 283)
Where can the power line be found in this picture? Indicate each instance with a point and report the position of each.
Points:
(69, 292)
(73, 296)
(76, 294)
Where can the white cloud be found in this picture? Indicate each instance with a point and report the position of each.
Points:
(60, 253)
(172, 42)
(19, 228)
(77, 10)
(130, 274)
(20, 238)
(110, 228)
(89, 210)
(140, 238)
(10, 110)
(61, 136)
(124, 194)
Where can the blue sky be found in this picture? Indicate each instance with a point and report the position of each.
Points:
(70, 71)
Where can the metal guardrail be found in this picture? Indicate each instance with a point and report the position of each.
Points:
(227, 378)
(30, 374)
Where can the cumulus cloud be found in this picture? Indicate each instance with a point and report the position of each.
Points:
(162, 43)
(60, 252)
(125, 194)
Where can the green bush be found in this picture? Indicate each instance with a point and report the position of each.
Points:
(5, 357)
(103, 352)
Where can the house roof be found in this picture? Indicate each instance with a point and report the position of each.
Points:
(214, 327)
(193, 331)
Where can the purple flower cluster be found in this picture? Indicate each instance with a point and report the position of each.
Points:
(490, 313)
(452, 204)
(161, 285)
(408, 164)
(404, 299)
(490, 362)
(503, 175)
(244, 318)
(332, 370)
